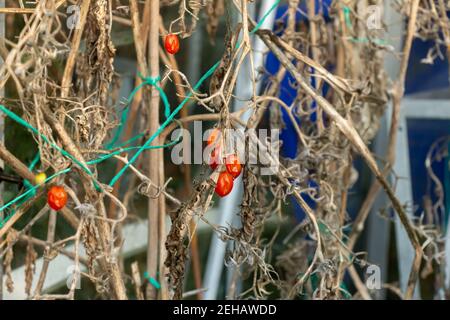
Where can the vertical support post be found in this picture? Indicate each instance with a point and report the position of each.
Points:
(405, 251)
(153, 123)
(376, 246)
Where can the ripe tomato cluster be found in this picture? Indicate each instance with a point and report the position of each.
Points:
(233, 166)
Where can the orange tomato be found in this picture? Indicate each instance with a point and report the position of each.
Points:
(215, 134)
(214, 159)
(57, 197)
(172, 43)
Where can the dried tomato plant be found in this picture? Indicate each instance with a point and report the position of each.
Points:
(66, 91)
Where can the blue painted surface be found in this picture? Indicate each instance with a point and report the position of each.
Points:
(288, 135)
(422, 133)
(421, 77)
(425, 77)
(287, 92)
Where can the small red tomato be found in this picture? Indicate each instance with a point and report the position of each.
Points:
(224, 184)
(171, 43)
(233, 165)
(215, 134)
(214, 159)
(57, 197)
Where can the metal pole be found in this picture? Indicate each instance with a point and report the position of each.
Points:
(229, 205)
(377, 247)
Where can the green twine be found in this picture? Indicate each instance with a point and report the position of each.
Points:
(33, 163)
(264, 17)
(349, 24)
(379, 42)
(27, 194)
(137, 137)
(165, 124)
(124, 118)
(121, 150)
(348, 21)
(32, 189)
(152, 281)
(22, 122)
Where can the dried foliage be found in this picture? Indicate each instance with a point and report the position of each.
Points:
(30, 266)
(74, 109)
(214, 9)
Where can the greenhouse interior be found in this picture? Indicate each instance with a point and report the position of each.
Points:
(257, 150)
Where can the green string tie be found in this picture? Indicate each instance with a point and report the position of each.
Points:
(22, 122)
(27, 195)
(152, 281)
(348, 21)
(349, 24)
(33, 163)
(150, 81)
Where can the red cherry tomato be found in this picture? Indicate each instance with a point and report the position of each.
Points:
(214, 159)
(171, 43)
(233, 165)
(57, 197)
(224, 184)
